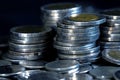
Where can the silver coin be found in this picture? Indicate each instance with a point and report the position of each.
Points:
(87, 46)
(104, 72)
(25, 46)
(79, 34)
(16, 69)
(25, 56)
(79, 57)
(5, 57)
(79, 76)
(112, 13)
(111, 55)
(99, 21)
(33, 64)
(81, 51)
(78, 38)
(58, 9)
(63, 25)
(110, 43)
(62, 65)
(40, 75)
(30, 31)
(116, 75)
(78, 30)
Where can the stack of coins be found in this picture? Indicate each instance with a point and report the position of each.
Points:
(52, 13)
(110, 31)
(29, 42)
(77, 35)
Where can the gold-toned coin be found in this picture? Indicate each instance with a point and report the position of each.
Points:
(114, 54)
(84, 17)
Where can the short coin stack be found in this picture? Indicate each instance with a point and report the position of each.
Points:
(110, 31)
(52, 13)
(29, 42)
(77, 35)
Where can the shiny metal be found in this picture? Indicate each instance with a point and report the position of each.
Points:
(80, 52)
(35, 31)
(107, 57)
(104, 72)
(33, 64)
(16, 69)
(62, 65)
(87, 46)
(79, 76)
(39, 75)
(65, 29)
(25, 56)
(78, 38)
(79, 34)
(84, 24)
(79, 57)
(50, 11)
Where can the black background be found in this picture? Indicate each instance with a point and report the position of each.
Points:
(27, 12)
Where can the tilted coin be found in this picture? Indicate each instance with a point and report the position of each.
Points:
(62, 65)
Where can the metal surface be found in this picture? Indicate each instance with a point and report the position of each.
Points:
(33, 64)
(39, 75)
(62, 65)
(99, 21)
(104, 72)
(111, 58)
(29, 31)
(79, 76)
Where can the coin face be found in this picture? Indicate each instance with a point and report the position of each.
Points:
(84, 17)
(60, 6)
(114, 54)
(62, 65)
(30, 29)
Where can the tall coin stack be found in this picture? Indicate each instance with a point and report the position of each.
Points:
(29, 42)
(52, 13)
(77, 35)
(110, 36)
(110, 31)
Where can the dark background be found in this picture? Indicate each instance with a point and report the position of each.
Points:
(24, 12)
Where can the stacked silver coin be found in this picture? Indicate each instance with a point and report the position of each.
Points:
(77, 35)
(52, 13)
(29, 42)
(63, 66)
(110, 31)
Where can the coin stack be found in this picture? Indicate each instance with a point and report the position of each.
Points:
(77, 35)
(29, 42)
(52, 13)
(110, 31)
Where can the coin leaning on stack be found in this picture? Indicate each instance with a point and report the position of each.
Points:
(29, 42)
(110, 31)
(52, 13)
(76, 37)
